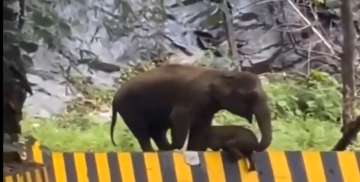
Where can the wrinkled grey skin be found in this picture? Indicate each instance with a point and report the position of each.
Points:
(183, 97)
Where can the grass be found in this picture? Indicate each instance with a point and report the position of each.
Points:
(305, 117)
(297, 134)
(95, 137)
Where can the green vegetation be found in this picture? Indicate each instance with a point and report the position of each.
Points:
(305, 117)
(81, 133)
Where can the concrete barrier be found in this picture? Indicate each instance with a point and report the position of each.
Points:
(271, 166)
(38, 174)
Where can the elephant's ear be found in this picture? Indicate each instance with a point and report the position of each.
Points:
(241, 82)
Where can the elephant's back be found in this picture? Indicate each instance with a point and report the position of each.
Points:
(156, 90)
(165, 81)
(232, 131)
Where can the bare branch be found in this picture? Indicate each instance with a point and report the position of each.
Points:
(312, 27)
(229, 30)
(321, 53)
(297, 29)
(308, 67)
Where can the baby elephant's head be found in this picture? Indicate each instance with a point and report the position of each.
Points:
(242, 145)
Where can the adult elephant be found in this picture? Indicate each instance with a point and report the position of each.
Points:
(184, 97)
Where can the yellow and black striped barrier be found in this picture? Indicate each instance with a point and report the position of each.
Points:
(38, 174)
(272, 166)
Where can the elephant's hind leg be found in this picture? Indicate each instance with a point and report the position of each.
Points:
(140, 130)
(159, 136)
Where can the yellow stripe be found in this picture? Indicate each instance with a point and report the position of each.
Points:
(38, 176)
(152, 165)
(349, 166)
(37, 153)
(8, 179)
(126, 167)
(182, 170)
(28, 176)
(17, 178)
(20, 178)
(214, 166)
(80, 166)
(279, 166)
(245, 175)
(59, 166)
(313, 166)
(102, 167)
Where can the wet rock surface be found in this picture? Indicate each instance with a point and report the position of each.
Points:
(106, 36)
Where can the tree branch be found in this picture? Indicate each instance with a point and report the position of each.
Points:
(224, 6)
(349, 135)
(327, 44)
(347, 64)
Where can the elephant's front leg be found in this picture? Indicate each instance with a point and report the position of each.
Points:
(181, 119)
(159, 136)
(199, 133)
(198, 138)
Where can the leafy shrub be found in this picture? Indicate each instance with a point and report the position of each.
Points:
(318, 97)
(79, 134)
(310, 134)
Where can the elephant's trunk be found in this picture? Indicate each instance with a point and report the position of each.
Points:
(263, 118)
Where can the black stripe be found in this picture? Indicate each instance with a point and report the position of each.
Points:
(48, 162)
(296, 166)
(25, 176)
(357, 154)
(69, 162)
(42, 174)
(167, 166)
(115, 172)
(263, 166)
(199, 172)
(91, 167)
(331, 167)
(231, 168)
(139, 166)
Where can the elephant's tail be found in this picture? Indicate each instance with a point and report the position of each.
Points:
(113, 120)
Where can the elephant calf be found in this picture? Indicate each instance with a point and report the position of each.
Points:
(236, 140)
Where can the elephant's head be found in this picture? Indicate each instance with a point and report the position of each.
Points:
(241, 93)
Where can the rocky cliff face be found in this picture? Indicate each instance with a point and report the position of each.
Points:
(107, 35)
